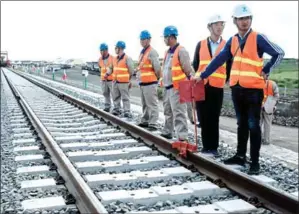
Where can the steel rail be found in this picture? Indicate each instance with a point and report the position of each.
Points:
(86, 201)
(255, 192)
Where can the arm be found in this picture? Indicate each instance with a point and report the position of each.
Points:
(219, 60)
(130, 65)
(154, 57)
(196, 57)
(229, 64)
(265, 46)
(185, 62)
(275, 91)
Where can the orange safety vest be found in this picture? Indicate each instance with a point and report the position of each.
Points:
(268, 90)
(216, 79)
(247, 65)
(120, 70)
(104, 67)
(178, 74)
(147, 73)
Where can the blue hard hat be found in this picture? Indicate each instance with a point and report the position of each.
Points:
(103, 47)
(121, 44)
(145, 35)
(170, 30)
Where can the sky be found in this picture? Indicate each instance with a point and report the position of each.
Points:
(39, 30)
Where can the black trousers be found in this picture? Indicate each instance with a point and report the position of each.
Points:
(247, 103)
(208, 113)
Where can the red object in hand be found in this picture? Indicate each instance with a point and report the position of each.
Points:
(190, 91)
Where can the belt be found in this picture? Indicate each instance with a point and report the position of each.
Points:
(107, 80)
(147, 83)
(169, 87)
(122, 82)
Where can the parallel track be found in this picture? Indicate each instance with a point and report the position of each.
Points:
(87, 202)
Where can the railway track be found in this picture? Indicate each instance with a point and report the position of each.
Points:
(110, 165)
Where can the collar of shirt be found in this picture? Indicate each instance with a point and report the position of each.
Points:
(246, 34)
(144, 49)
(106, 57)
(217, 42)
(172, 50)
(120, 57)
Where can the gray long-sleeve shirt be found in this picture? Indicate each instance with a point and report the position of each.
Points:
(130, 65)
(154, 57)
(275, 90)
(185, 62)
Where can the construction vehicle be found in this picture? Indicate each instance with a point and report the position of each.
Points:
(4, 59)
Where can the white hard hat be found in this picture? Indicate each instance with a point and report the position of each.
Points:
(215, 18)
(241, 11)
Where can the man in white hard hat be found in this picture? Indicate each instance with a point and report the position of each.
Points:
(247, 81)
(209, 110)
(271, 96)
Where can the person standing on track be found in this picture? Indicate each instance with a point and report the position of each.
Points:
(176, 68)
(106, 65)
(209, 110)
(148, 73)
(123, 69)
(247, 81)
(271, 96)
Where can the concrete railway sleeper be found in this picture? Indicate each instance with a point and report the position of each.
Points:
(126, 169)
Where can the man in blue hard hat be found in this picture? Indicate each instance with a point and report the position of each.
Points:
(148, 75)
(106, 66)
(123, 69)
(176, 68)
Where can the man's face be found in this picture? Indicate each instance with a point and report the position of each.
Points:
(166, 40)
(104, 52)
(144, 42)
(116, 50)
(244, 23)
(217, 28)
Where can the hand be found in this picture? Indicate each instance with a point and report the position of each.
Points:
(196, 78)
(264, 75)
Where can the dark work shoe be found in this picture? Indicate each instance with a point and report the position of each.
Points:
(254, 169)
(215, 153)
(152, 128)
(115, 112)
(236, 159)
(143, 125)
(106, 109)
(204, 151)
(128, 115)
(167, 136)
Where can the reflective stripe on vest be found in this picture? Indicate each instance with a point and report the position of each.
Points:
(247, 65)
(147, 73)
(176, 69)
(104, 67)
(216, 79)
(120, 70)
(268, 90)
